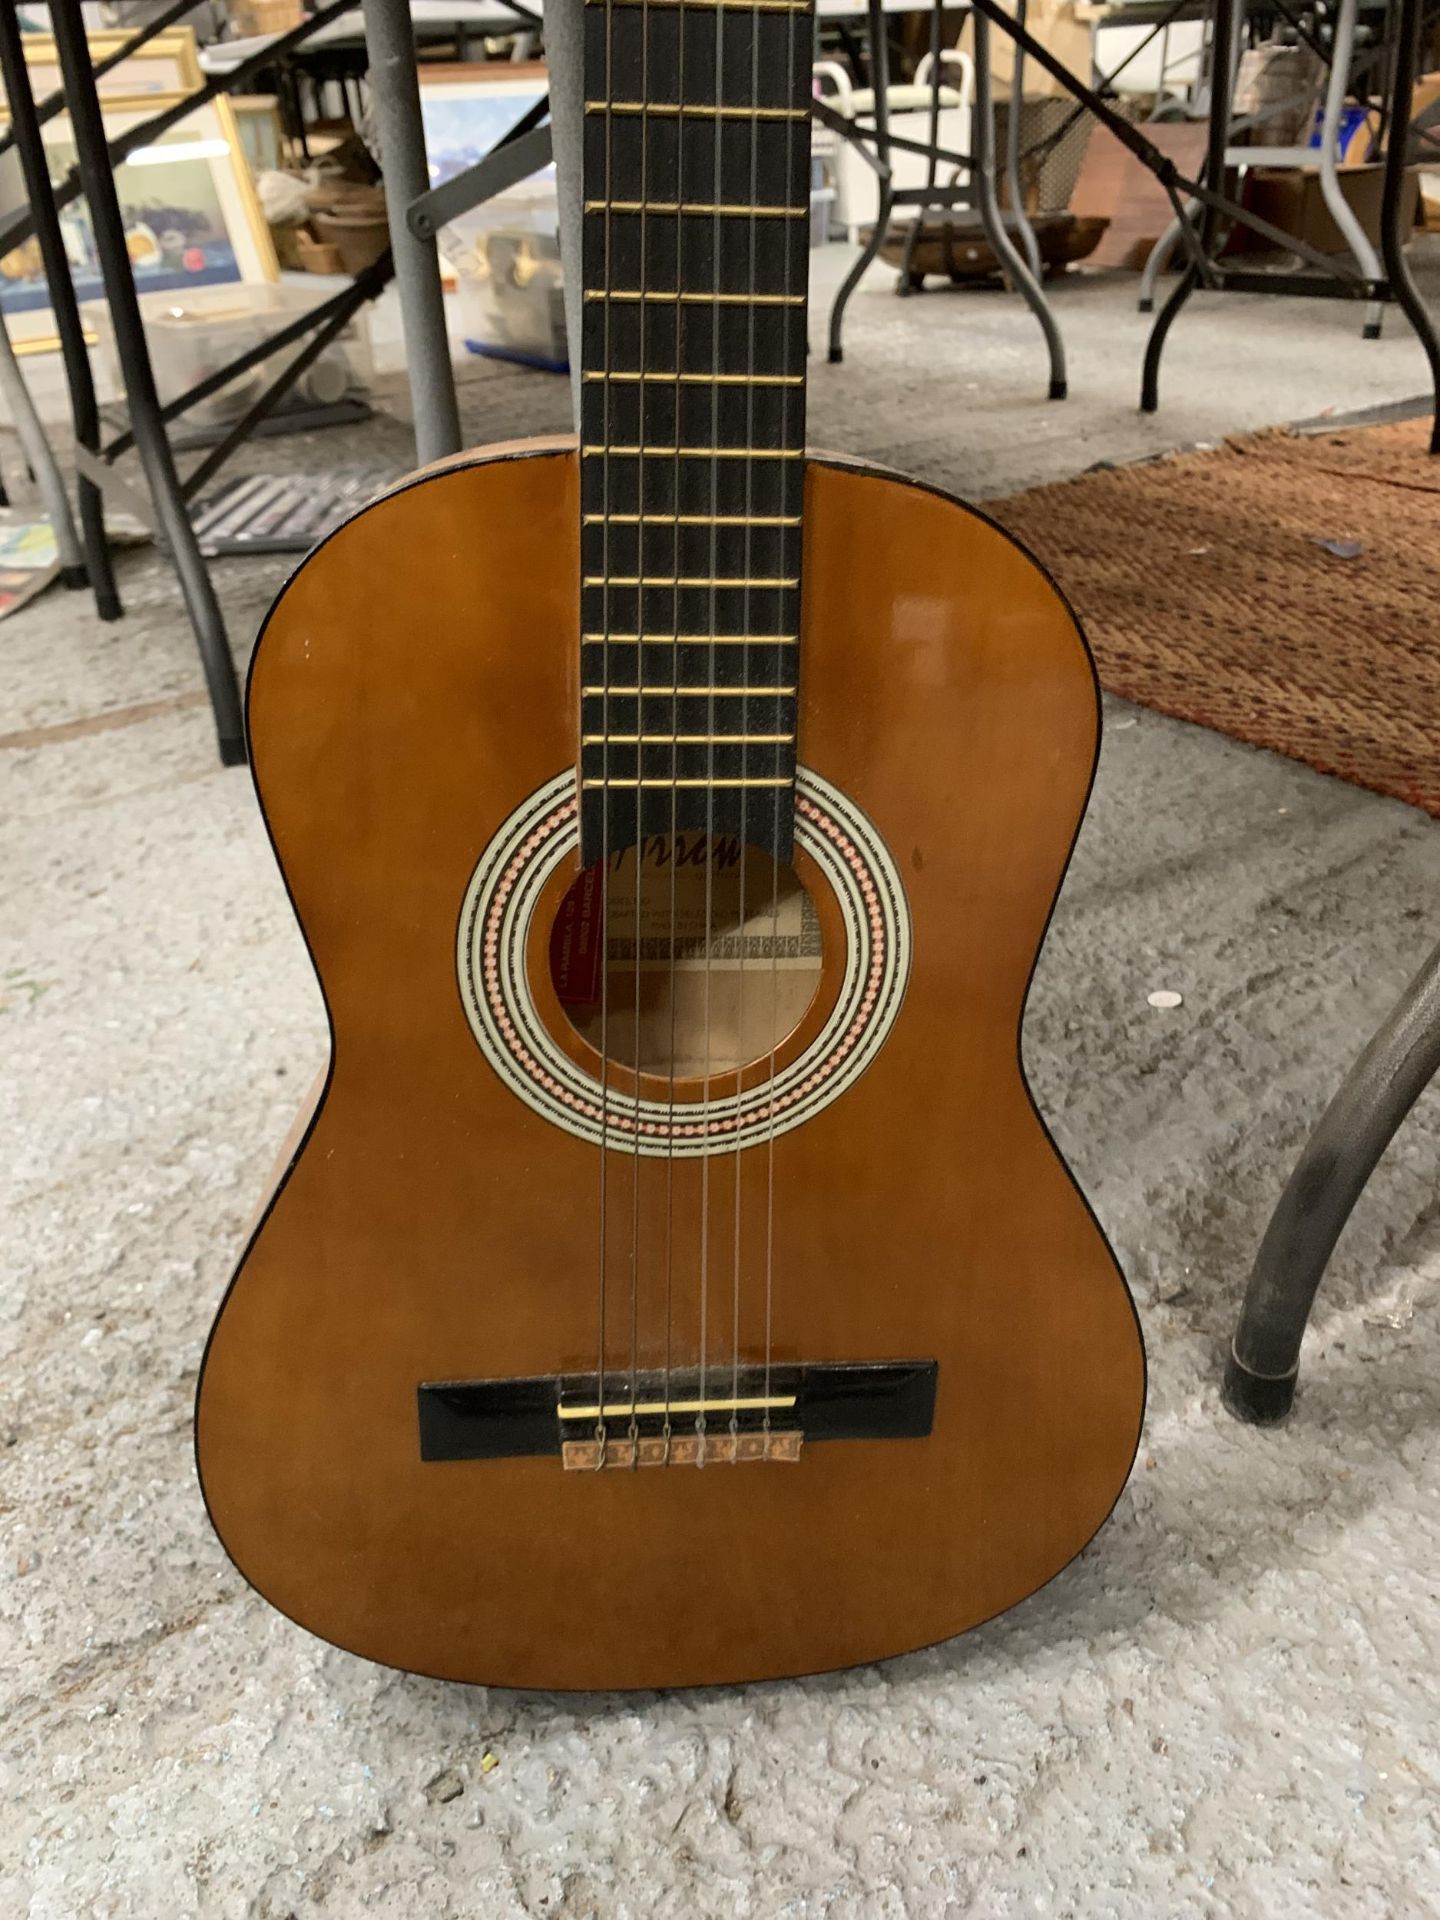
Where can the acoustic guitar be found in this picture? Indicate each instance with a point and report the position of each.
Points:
(674, 1281)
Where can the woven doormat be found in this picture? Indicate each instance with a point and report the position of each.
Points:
(1282, 589)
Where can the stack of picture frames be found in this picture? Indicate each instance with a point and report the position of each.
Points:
(192, 219)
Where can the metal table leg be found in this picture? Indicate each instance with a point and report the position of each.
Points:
(1012, 151)
(41, 459)
(99, 186)
(1329, 1178)
(1392, 241)
(1342, 50)
(1229, 20)
(982, 141)
(1158, 259)
(880, 84)
(395, 91)
(84, 411)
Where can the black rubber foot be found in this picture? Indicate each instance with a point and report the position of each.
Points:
(1255, 1398)
(1149, 406)
(835, 356)
(108, 606)
(1145, 306)
(74, 578)
(1059, 389)
(232, 753)
(1371, 330)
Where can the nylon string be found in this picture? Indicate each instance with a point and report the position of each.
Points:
(795, 29)
(716, 310)
(676, 509)
(640, 790)
(605, 439)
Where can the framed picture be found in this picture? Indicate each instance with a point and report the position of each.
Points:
(466, 110)
(191, 220)
(165, 67)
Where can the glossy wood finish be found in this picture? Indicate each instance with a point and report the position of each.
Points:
(415, 682)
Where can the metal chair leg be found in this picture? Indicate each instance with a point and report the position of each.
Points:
(98, 182)
(982, 142)
(1228, 26)
(41, 458)
(1392, 241)
(84, 411)
(880, 164)
(1028, 242)
(1329, 1178)
(395, 91)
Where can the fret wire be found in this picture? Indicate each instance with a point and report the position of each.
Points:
(639, 377)
(698, 453)
(724, 6)
(710, 208)
(685, 739)
(732, 693)
(698, 299)
(681, 109)
(782, 780)
(682, 580)
(691, 639)
(693, 519)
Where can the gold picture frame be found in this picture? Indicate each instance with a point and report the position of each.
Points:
(166, 67)
(223, 203)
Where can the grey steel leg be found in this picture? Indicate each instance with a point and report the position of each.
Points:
(1158, 259)
(395, 91)
(932, 164)
(1229, 20)
(982, 143)
(84, 412)
(98, 183)
(42, 463)
(1392, 241)
(1342, 49)
(880, 84)
(1012, 151)
(1329, 1177)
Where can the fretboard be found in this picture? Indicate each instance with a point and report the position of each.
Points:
(696, 183)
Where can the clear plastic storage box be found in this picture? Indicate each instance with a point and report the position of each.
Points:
(506, 257)
(192, 335)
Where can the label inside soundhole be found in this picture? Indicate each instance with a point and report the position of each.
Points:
(711, 954)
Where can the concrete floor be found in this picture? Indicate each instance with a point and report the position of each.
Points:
(1227, 1706)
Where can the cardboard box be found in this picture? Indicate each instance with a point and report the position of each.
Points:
(1291, 200)
(1065, 28)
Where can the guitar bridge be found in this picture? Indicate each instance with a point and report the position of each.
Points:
(656, 1419)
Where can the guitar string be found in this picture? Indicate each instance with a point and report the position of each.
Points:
(677, 507)
(605, 606)
(745, 722)
(640, 789)
(796, 27)
(716, 307)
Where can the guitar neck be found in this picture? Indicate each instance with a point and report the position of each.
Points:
(696, 186)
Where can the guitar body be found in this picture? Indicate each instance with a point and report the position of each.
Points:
(438, 1223)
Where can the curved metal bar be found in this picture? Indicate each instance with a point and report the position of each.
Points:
(1342, 49)
(44, 220)
(1392, 244)
(983, 142)
(1329, 1177)
(932, 163)
(1229, 19)
(98, 181)
(1013, 118)
(879, 164)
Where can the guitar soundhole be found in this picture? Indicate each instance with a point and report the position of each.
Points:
(727, 960)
